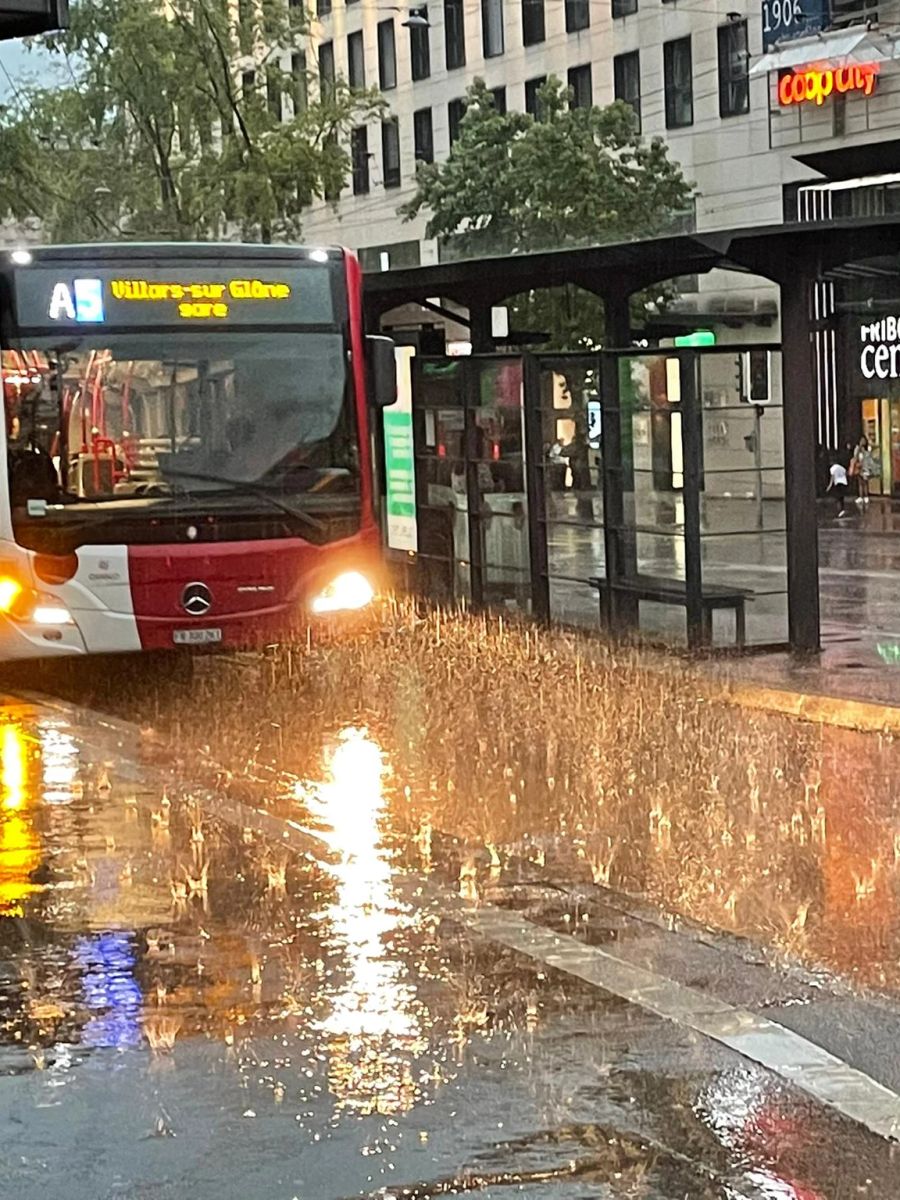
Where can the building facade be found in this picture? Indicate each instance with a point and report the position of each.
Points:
(776, 112)
(689, 69)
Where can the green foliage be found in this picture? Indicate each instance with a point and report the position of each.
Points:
(153, 135)
(575, 177)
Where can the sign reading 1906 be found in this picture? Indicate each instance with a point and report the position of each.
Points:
(784, 19)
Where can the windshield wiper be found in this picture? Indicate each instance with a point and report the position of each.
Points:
(255, 489)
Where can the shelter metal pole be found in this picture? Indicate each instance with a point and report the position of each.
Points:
(480, 332)
(534, 485)
(692, 451)
(618, 467)
(799, 416)
(469, 380)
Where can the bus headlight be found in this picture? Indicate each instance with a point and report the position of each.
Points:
(30, 607)
(51, 614)
(350, 590)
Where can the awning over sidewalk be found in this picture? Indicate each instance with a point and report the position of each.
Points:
(839, 48)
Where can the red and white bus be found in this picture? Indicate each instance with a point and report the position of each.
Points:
(187, 445)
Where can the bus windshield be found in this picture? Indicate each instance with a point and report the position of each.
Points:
(138, 420)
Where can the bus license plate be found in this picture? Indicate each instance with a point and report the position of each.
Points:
(196, 637)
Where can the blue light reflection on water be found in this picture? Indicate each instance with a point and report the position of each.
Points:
(110, 990)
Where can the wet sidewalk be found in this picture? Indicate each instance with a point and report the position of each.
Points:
(220, 983)
(848, 669)
(859, 569)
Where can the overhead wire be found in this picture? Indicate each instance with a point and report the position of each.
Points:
(359, 210)
(362, 209)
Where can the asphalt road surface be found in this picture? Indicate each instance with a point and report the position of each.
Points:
(208, 997)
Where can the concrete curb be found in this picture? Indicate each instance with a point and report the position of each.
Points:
(864, 715)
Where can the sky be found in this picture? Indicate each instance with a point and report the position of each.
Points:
(15, 61)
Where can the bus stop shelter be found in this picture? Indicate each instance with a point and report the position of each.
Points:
(795, 257)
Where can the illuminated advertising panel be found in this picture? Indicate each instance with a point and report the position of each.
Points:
(785, 19)
(134, 294)
(813, 85)
(879, 349)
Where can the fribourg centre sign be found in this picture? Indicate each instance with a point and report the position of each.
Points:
(879, 349)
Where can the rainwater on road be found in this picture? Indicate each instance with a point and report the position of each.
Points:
(280, 929)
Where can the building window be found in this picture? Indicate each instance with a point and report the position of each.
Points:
(245, 25)
(624, 8)
(839, 115)
(323, 8)
(248, 84)
(390, 152)
(356, 60)
(454, 34)
(326, 70)
(734, 60)
(499, 94)
(492, 28)
(273, 91)
(332, 185)
(359, 160)
(423, 135)
(203, 126)
(298, 73)
(456, 110)
(532, 22)
(387, 56)
(679, 83)
(627, 81)
(580, 84)
(419, 48)
(532, 99)
(578, 15)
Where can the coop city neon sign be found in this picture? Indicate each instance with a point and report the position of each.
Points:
(815, 85)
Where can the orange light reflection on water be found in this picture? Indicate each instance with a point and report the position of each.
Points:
(20, 846)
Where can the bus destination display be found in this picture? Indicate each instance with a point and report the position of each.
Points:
(183, 294)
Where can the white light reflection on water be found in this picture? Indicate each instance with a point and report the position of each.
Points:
(59, 764)
(372, 1029)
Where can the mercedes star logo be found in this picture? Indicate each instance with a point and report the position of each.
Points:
(196, 599)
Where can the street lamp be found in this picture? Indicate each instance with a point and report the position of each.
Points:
(109, 224)
(417, 18)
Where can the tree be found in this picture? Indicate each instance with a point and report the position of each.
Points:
(174, 122)
(574, 177)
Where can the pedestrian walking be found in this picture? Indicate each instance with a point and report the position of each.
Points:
(866, 468)
(853, 476)
(837, 483)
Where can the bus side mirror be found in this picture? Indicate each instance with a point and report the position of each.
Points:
(382, 366)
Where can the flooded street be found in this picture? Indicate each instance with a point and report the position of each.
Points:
(439, 910)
